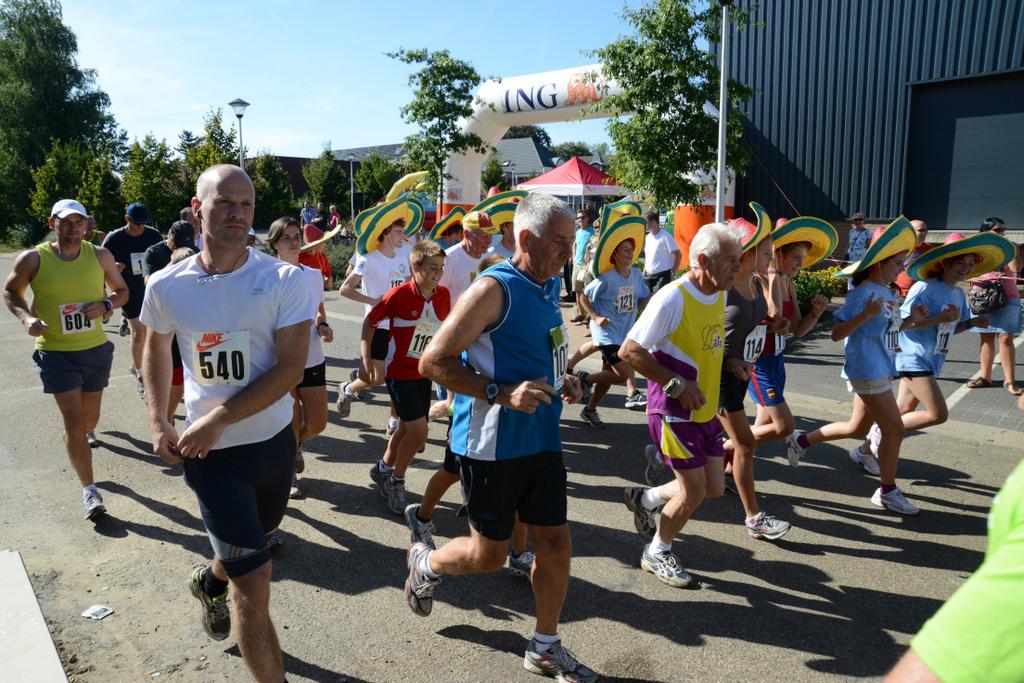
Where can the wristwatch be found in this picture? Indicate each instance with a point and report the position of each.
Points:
(674, 387)
(492, 390)
(109, 305)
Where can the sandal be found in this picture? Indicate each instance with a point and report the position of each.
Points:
(1013, 388)
(979, 383)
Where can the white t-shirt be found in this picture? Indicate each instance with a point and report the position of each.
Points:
(460, 269)
(381, 273)
(225, 329)
(658, 250)
(315, 356)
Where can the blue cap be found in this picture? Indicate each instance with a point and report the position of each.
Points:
(137, 213)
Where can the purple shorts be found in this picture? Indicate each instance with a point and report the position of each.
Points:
(684, 445)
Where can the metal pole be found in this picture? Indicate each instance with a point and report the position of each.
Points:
(351, 192)
(723, 108)
(241, 156)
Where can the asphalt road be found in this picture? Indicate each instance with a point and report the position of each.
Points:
(839, 597)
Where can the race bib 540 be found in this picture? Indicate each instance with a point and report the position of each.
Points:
(221, 358)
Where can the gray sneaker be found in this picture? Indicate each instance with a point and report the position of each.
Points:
(865, 460)
(592, 418)
(767, 527)
(216, 614)
(557, 662)
(419, 589)
(793, 449)
(654, 465)
(520, 565)
(352, 377)
(395, 491)
(91, 439)
(124, 330)
(581, 375)
(419, 532)
(344, 404)
(666, 567)
(643, 519)
(636, 400)
(379, 478)
(92, 503)
(140, 388)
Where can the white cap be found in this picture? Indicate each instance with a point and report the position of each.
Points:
(66, 207)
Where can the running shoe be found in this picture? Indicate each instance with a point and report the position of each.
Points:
(767, 527)
(592, 418)
(557, 662)
(665, 565)
(91, 438)
(874, 438)
(274, 543)
(295, 492)
(344, 404)
(395, 493)
(643, 519)
(352, 377)
(379, 478)
(793, 449)
(92, 503)
(520, 565)
(419, 588)
(419, 532)
(636, 400)
(654, 465)
(581, 375)
(124, 330)
(391, 428)
(895, 501)
(140, 388)
(300, 460)
(216, 613)
(865, 460)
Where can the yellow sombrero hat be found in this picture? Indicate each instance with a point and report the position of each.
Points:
(381, 218)
(451, 218)
(820, 234)
(500, 214)
(506, 197)
(407, 183)
(994, 251)
(885, 242)
(362, 218)
(616, 210)
(624, 228)
(415, 222)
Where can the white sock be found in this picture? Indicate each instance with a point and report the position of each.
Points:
(90, 487)
(659, 546)
(424, 566)
(349, 392)
(651, 500)
(542, 641)
(383, 467)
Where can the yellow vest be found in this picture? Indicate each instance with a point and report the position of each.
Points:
(59, 290)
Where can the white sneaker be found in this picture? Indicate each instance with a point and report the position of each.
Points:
(793, 449)
(865, 460)
(874, 438)
(894, 501)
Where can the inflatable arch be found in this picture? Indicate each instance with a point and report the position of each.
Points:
(548, 97)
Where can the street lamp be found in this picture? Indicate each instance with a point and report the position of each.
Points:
(239, 105)
(510, 165)
(351, 189)
(723, 109)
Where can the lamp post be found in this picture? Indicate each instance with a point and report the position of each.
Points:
(351, 189)
(723, 109)
(239, 105)
(512, 171)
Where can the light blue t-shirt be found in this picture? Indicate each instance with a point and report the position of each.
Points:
(583, 236)
(923, 349)
(871, 349)
(615, 297)
(501, 250)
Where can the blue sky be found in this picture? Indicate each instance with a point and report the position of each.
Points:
(315, 73)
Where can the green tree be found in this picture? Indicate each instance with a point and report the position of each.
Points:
(327, 182)
(100, 191)
(152, 176)
(44, 96)
(539, 135)
(374, 178)
(442, 94)
(273, 190)
(666, 77)
(568, 150)
(217, 146)
(601, 148)
(72, 170)
(187, 141)
(492, 174)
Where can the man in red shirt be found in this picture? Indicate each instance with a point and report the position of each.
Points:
(415, 311)
(903, 281)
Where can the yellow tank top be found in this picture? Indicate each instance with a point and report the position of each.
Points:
(60, 289)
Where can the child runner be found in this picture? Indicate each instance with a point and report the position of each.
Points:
(870, 325)
(923, 346)
(314, 252)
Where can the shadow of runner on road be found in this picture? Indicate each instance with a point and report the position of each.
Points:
(294, 666)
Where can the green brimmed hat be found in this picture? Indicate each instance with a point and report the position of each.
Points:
(381, 218)
(610, 213)
(624, 228)
(500, 207)
(445, 224)
(885, 242)
(820, 234)
(753, 233)
(415, 222)
(993, 252)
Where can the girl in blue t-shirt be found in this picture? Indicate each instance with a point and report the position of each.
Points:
(870, 324)
(923, 346)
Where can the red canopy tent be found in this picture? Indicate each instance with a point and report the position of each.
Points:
(574, 178)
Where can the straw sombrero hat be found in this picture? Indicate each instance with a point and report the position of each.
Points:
(820, 234)
(362, 218)
(501, 207)
(753, 234)
(407, 183)
(610, 213)
(415, 222)
(314, 236)
(624, 228)
(885, 242)
(445, 224)
(381, 218)
(993, 251)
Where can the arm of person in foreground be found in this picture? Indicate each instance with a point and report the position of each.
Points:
(291, 344)
(25, 268)
(156, 374)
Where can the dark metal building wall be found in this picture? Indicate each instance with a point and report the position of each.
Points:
(832, 81)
